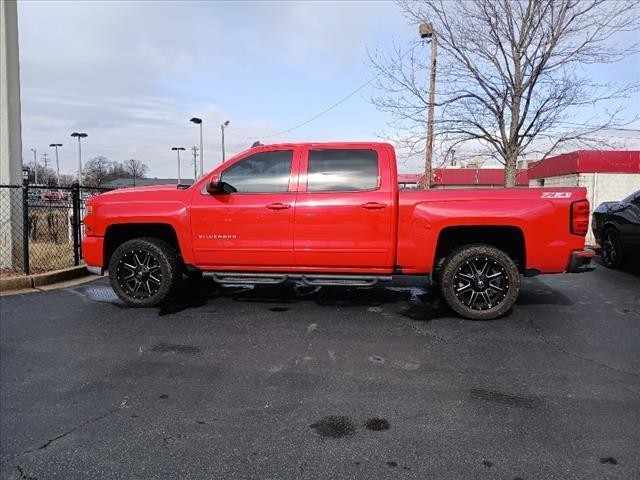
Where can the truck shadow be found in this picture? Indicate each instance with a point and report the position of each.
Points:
(535, 292)
(417, 302)
(422, 303)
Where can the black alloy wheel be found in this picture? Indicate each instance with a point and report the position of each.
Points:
(611, 253)
(139, 274)
(479, 282)
(144, 271)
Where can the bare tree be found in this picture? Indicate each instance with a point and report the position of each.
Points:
(513, 75)
(135, 168)
(96, 171)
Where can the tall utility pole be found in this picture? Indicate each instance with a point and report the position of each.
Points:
(427, 31)
(79, 136)
(198, 121)
(35, 166)
(222, 127)
(56, 145)
(178, 150)
(46, 167)
(194, 149)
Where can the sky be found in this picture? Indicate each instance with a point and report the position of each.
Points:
(131, 75)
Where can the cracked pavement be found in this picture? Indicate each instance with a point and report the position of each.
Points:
(289, 381)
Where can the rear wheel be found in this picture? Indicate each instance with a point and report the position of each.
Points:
(143, 271)
(479, 282)
(611, 253)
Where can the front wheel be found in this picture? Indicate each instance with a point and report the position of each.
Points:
(611, 254)
(143, 271)
(479, 282)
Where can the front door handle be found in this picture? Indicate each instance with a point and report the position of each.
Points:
(373, 205)
(278, 206)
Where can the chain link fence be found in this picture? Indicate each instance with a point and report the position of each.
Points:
(41, 227)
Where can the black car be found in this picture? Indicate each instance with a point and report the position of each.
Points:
(616, 226)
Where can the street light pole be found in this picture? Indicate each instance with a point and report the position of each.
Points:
(198, 121)
(56, 145)
(222, 127)
(427, 31)
(46, 167)
(79, 136)
(35, 166)
(194, 149)
(177, 150)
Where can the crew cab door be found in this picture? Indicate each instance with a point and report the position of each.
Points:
(254, 226)
(345, 210)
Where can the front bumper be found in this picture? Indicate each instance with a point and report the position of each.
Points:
(92, 251)
(581, 261)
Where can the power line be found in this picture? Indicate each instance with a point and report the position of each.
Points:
(323, 112)
(302, 124)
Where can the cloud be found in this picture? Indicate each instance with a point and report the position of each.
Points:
(131, 74)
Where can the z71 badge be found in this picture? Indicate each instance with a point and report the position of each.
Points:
(556, 195)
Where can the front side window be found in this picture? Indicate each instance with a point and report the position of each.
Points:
(348, 170)
(264, 172)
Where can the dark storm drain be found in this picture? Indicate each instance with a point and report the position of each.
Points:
(377, 424)
(174, 348)
(334, 427)
(503, 398)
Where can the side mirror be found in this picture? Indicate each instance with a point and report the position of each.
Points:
(217, 187)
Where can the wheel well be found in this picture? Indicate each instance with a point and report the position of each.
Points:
(116, 235)
(508, 239)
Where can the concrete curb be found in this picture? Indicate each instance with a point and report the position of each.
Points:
(42, 279)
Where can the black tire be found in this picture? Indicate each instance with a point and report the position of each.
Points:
(492, 282)
(611, 253)
(144, 271)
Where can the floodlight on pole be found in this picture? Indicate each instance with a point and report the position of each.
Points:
(198, 121)
(56, 145)
(222, 127)
(427, 31)
(178, 150)
(79, 136)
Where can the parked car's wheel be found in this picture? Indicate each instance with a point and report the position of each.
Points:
(143, 271)
(611, 253)
(479, 282)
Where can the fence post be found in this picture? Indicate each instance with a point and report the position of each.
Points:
(25, 229)
(75, 205)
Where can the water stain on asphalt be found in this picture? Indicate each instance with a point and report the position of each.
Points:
(175, 348)
(334, 426)
(487, 463)
(163, 396)
(392, 464)
(504, 398)
(608, 461)
(377, 424)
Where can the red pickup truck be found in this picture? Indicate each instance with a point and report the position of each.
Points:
(332, 214)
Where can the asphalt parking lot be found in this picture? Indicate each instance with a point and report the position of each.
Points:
(298, 382)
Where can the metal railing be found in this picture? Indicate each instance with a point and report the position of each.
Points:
(41, 227)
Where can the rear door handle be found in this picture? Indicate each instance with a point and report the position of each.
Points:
(278, 206)
(373, 205)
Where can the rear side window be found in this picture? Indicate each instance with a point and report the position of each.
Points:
(265, 172)
(342, 170)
